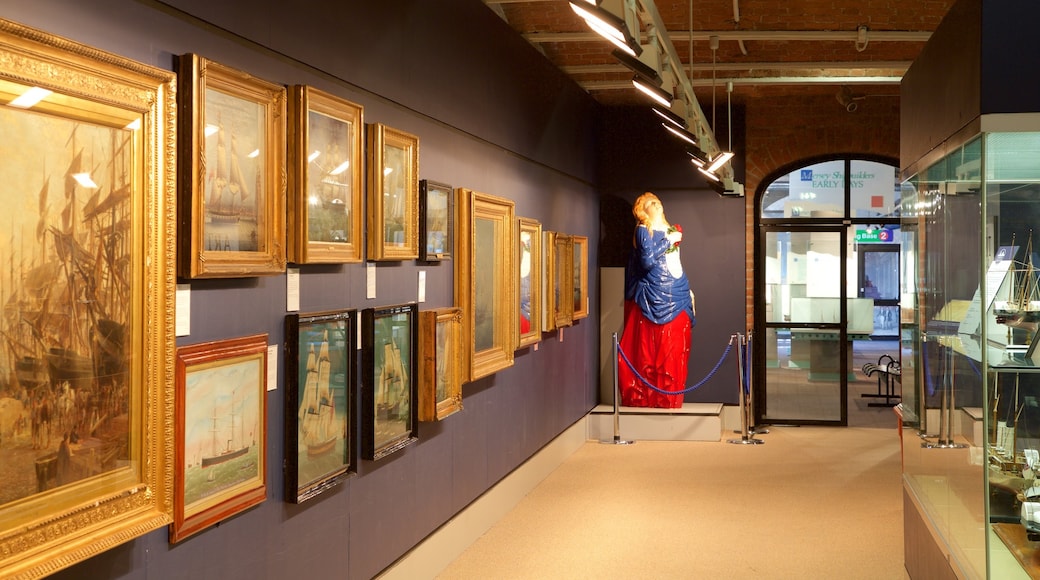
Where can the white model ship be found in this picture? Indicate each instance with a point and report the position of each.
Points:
(1020, 301)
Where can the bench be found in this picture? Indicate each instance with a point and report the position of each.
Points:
(888, 372)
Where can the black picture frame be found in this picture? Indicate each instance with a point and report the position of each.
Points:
(436, 221)
(389, 390)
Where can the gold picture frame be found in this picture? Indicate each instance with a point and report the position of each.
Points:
(221, 461)
(529, 282)
(325, 177)
(231, 171)
(563, 280)
(580, 283)
(440, 363)
(92, 165)
(485, 282)
(393, 194)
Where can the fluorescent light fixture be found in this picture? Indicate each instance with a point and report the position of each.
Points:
(84, 180)
(670, 117)
(253, 154)
(681, 133)
(340, 168)
(711, 176)
(656, 93)
(637, 66)
(697, 159)
(314, 155)
(30, 98)
(211, 130)
(607, 25)
(720, 160)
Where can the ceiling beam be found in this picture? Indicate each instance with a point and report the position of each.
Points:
(844, 65)
(751, 81)
(749, 35)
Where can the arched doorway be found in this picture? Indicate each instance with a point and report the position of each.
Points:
(827, 286)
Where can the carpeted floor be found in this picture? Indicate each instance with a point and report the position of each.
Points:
(812, 502)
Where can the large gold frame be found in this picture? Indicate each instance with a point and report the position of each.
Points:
(580, 285)
(201, 254)
(405, 179)
(529, 246)
(306, 179)
(50, 530)
(491, 288)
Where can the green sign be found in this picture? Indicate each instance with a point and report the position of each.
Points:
(882, 235)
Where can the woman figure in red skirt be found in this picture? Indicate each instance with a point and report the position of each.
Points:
(659, 311)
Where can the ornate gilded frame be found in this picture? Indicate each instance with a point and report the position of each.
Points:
(563, 280)
(440, 363)
(390, 387)
(325, 177)
(124, 488)
(393, 194)
(529, 282)
(485, 281)
(580, 283)
(231, 171)
(320, 402)
(549, 284)
(221, 463)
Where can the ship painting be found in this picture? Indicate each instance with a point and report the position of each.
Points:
(231, 446)
(1018, 300)
(317, 413)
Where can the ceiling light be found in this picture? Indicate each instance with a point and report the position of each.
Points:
(671, 118)
(719, 161)
(681, 133)
(697, 159)
(607, 25)
(30, 98)
(656, 93)
(637, 66)
(711, 176)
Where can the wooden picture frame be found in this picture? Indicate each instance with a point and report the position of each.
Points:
(221, 426)
(563, 280)
(580, 281)
(231, 168)
(389, 391)
(325, 178)
(529, 282)
(440, 363)
(436, 221)
(549, 284)
(89, 180)
(393, 194)
(320, 402)
(485, 282)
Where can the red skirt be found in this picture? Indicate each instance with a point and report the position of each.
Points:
(658, 352)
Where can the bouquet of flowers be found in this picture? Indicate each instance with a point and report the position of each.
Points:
(675, 245)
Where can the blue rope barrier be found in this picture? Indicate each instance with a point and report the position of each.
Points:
(729, 346)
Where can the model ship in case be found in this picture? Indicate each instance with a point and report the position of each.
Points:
(1021, 297)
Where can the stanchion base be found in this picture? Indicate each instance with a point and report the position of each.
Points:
(618, 442)
(746, 441)
(943, 445)
(754, 431)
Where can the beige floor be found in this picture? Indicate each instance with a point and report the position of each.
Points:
(812, 502)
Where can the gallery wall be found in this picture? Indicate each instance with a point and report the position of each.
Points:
(491, 115)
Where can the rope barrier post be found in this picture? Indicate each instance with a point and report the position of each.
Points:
(617, 398)
(749, 367)
(946, 407)
(746, 437)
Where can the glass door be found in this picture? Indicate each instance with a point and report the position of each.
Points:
(878, 280)
(807, 349)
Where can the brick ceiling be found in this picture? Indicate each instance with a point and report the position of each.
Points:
(767, 48)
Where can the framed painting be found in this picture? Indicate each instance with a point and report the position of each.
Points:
(393, 194)
(436, 221)
(440, 363)
(320, 411)
(231, 168)
(86, 400)
(325, 177)
(485, 282)
(549, 297)
(529, 282)
(221, 428)
(563, 280)
(389, 390)
(580, 245)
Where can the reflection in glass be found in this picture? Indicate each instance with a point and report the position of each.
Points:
(395, 197)
(525, 282)
(484, 268)
(329, 178)
(233, 189)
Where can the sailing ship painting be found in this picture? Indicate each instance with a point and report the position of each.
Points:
(393, 390)
(1018, 299)
(322, 438)
(66, 269)
(329, 178)
(222, 414)
(234, 181)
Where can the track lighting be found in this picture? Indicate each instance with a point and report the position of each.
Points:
(669, 117)
(638, 66)
(719, 161)
(656, 93)
(681, 133)
(607, 25)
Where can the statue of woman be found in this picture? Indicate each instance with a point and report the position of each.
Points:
(659, 311)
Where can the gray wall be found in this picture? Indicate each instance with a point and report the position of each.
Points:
(491, 115)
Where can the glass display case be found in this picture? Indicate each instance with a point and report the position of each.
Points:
(971, 369)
